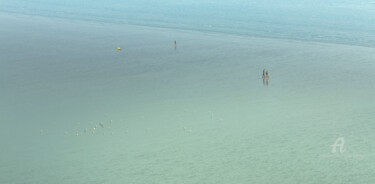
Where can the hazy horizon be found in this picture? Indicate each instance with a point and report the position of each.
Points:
(339, 21)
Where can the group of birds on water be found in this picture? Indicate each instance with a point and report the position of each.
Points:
(101, 125)
(93, 130)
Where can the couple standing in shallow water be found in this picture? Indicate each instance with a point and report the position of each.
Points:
(265, 77)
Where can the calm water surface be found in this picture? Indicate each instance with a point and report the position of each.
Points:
(75, 110)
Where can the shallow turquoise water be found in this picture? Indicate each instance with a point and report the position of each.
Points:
(338, 21)
(197, 114)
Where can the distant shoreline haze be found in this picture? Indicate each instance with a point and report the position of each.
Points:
(339, 21)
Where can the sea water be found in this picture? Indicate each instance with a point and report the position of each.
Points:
(74, 109)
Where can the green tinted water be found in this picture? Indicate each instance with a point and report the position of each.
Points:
(197, 114)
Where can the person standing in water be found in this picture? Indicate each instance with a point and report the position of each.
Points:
(267, 77)
(175, 45)
(264, 76)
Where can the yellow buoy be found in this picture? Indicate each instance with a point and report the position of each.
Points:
(118, 48)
